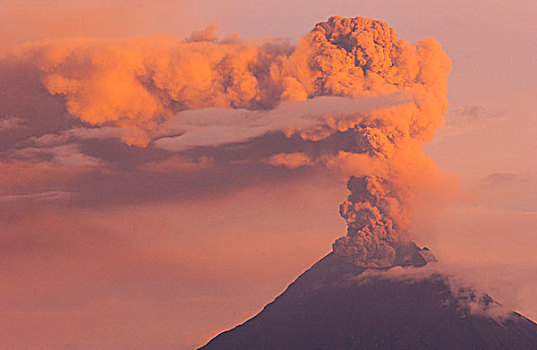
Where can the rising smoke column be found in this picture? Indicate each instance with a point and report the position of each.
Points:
(140, 84)
(376, 221)
(358, 57)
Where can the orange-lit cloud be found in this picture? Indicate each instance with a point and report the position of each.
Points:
(290, 160)
(350, 96)
(115, 275)
(138, 83)
(177, 164)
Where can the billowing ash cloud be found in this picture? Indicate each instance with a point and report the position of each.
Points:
(376, 220)
(368, 104)
(138, 83)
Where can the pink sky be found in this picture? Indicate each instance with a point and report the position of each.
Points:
(159, 263)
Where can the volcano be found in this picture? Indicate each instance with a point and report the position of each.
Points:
(339, 305)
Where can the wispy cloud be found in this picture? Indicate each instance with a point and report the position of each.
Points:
(37, 196)
(217, 126)
(65, 155)
(468, 119)
(79, 133)
(9, 123)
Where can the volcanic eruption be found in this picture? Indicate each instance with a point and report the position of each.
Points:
(350, 97)
(376, 290)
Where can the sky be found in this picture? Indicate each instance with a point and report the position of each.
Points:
(107, 242)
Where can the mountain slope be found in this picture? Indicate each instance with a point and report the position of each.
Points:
(333, 305)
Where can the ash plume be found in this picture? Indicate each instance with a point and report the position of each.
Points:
(376, 218)
(180, 94)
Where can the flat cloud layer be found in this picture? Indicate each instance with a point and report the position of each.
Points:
(217, 126)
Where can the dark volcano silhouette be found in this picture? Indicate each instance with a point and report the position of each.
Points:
(338, 305)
